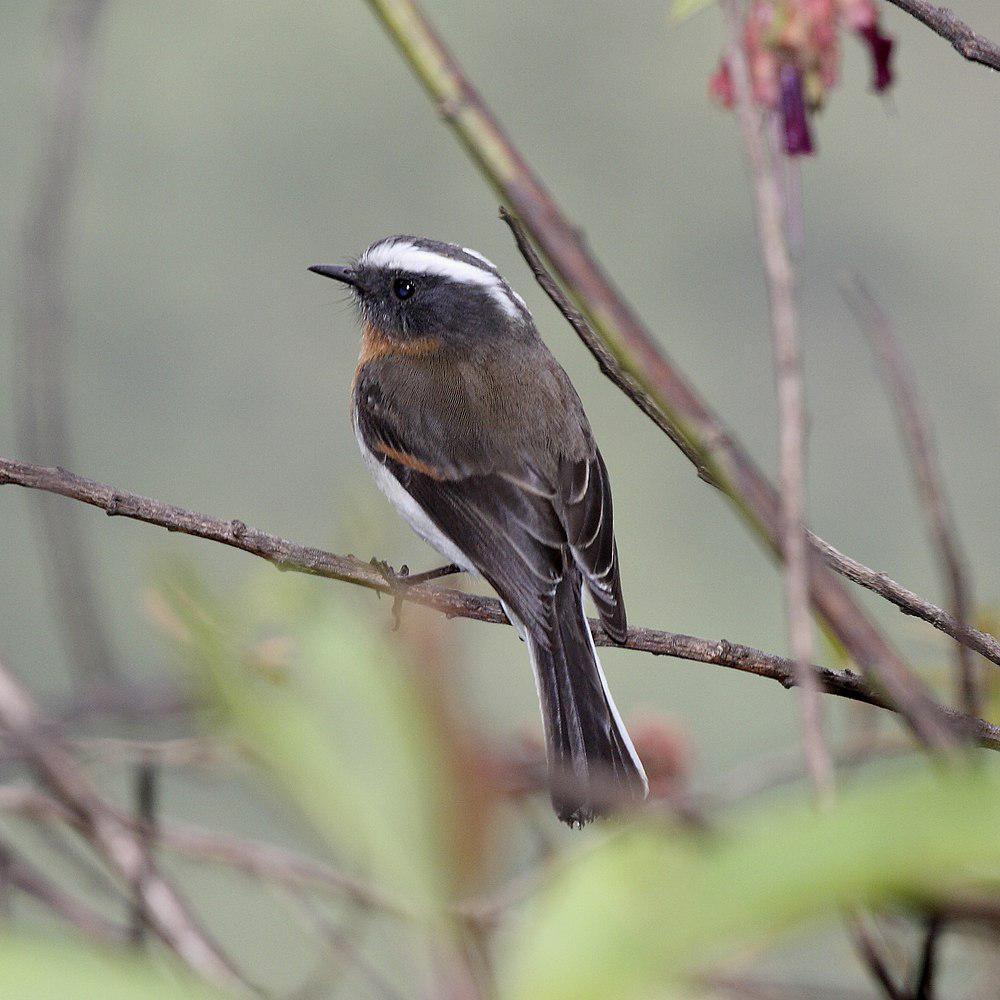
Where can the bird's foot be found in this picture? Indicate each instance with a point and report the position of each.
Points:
(399, 582)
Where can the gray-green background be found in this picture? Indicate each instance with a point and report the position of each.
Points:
(231, 144)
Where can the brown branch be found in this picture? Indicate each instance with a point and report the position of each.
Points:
(764, 773)
(253, 858)
(42, 424)
(114, 839)
(908, 602)
(288, 555)
(269, 863)
(924, 988)
(780, 280)
(145, 824)
(715, 451)
(893, 665)
(341, 943)
(871, 954)
(915, 431)
(606, 361)
(964, 40)
(24, 876)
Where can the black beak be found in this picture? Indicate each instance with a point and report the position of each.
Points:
(345, 274)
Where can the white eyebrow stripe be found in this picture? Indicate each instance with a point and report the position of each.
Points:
(405, 256)
(479, 256)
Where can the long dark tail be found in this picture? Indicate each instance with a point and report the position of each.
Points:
(593, 766)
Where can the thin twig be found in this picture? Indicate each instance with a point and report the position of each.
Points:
(915, 431)
(268, 862)
(606, 361)
(114, 839)
(703, 438)
(780, 279)
(890, 670)
(24, 876)
(760, 774)
(290, 556)
(253, 858)
(340, 942)
(145, 817)
(964, 40)
(908, 602)
(870, 953)
(924, 987)
(42, 423)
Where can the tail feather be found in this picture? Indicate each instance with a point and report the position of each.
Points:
(593, 765)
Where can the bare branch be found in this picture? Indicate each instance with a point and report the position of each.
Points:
(907, 601)
(780, 279)
(963, 39)
(42, 425)
(924, 988)
(288, 555)
(915, 431)
(764, 773)
(145, 823)
(24, 876)
(119, 845)
(715, 451)
(871, 954)
(253, 858)
(606, 361)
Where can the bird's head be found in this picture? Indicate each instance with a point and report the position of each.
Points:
(408, 287)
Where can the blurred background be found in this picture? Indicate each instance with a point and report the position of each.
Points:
(228, 146)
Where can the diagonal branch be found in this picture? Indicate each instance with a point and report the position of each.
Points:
(705, 440)
(33, 882)
(253, 858)
(917, 438)
(924, 987)
(906, 600)
(780, 280)
(42, 423)
(288, 555)
(22, 723)
(963, 39)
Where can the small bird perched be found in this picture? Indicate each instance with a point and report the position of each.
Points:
(477, 436)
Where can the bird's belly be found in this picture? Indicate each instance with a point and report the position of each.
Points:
(414, 515)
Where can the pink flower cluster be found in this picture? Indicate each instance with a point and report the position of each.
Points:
(793, 52)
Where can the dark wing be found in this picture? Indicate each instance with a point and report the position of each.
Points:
(508, 531)
(548, 527)
(586, 513)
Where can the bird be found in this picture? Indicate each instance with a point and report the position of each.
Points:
(478, 438)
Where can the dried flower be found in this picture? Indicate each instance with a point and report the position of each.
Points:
(798, 141)
(793, 55)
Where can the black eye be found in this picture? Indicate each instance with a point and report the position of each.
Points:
(403, 288)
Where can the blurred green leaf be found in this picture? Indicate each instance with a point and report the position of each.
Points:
(650, 906)
(342, 728)
(680, 10)
(33, 970)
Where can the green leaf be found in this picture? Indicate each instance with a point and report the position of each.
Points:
(33, 970)
(681, 10)
(344, 732)
(648, 907)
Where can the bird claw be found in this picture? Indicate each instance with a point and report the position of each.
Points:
(397, 583)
